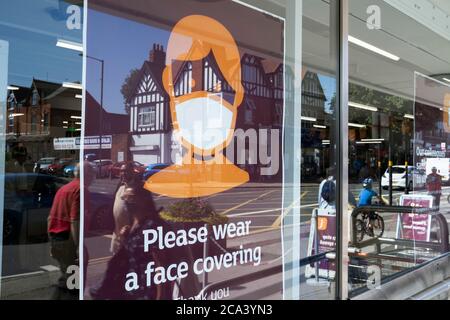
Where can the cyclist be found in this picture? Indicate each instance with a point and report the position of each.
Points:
(365, 199)
(367, 193)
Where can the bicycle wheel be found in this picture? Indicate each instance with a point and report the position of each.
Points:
(360, 230)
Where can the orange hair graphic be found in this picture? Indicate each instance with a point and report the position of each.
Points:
(194, 38)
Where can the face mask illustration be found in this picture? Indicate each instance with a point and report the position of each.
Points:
(203, 119)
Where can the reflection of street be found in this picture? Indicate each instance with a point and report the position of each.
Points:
(259, 203)
(256, 202)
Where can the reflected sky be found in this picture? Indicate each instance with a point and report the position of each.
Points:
(123, 45)
(32, 28)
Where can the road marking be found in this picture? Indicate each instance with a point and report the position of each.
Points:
(99, 260)
(49, 268)
(309, 205)
(259, 203)
(277, 222)
(247, 202)
(261, 216)
(253, 212)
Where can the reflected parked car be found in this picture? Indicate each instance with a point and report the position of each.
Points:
(151, 169)
(90, 157)
(102, 167)
(58, 167)
(25, 215)
(114, 169)
(69, 170)
(43, 164)
(101, 217)
(416, 178)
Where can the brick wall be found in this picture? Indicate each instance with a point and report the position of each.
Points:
(120, 144)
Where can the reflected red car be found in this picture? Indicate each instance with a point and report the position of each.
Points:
(114, 169)
(57, 168)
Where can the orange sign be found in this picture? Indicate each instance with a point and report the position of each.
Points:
(204, 121)
(322, 223)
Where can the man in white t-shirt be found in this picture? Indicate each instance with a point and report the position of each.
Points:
(121, 215)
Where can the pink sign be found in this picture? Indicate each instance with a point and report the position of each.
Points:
(326, 237)
(415, 226)
(326, 226)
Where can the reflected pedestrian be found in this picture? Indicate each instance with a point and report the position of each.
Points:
(63, 230)
(122, 217)
(327, 191)
(434, 186)
(131, 256)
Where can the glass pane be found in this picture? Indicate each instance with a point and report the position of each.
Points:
(38, 259)
(398, 67)
(317, 198)
(212, 160)
(256, 158)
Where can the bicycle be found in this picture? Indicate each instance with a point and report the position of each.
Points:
(371, 224)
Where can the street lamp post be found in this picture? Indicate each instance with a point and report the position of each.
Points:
(101, 108)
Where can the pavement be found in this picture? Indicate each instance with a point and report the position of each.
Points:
(259, 203)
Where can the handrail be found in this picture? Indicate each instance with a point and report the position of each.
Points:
(309, 260)
(395, 209)
(389, 278)
(442, 222)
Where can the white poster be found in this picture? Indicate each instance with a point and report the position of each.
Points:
(71, 143)
(3, 93)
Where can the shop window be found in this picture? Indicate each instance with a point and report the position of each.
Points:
(147, 116)
(35, 98)
(399, 125)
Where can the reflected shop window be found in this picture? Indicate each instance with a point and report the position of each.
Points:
(191, 121)
(40, 81)
(224, 149)
(203, 199)
(398, 137)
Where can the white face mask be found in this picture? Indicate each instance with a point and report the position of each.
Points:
(204, 122)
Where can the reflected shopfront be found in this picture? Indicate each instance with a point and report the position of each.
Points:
(229, 149)
(42, 106)
(397, 135)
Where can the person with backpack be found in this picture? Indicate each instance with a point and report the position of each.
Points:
(327, 192)
(367, 193)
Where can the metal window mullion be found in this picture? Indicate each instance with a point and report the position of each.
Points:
(342, 224)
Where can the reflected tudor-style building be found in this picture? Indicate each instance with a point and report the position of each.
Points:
(150, 124)
(39, 113)
(262, 108)
(314, 155)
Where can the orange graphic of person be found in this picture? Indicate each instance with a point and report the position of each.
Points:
(204, 120)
